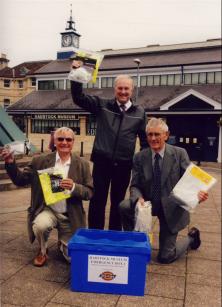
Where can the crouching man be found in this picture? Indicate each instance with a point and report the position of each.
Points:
(156, 171)
(66, 215)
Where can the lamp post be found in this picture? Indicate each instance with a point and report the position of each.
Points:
(137, 61)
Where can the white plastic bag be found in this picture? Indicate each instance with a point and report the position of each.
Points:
(193, 180)
(143, 217)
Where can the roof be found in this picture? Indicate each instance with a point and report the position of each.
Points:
(151, 98)
(23, 69)
(123, 61)
(162, 48)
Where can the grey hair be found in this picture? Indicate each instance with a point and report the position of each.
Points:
(64, 129)
(121, 77)
(154, 122)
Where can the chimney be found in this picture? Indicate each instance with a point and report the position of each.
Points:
(3, 61)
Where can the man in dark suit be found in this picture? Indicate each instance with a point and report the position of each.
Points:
(156, 171)
(66, 215)
(119, 122)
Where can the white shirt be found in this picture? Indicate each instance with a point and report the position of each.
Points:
(60, 206)
(127, 105)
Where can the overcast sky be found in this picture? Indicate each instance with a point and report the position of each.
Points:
(30, 29)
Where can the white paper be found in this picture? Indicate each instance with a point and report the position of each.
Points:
(108, 269)
(17, 147)
(193, 181)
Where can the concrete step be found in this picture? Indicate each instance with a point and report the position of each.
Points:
(20, 162)
(3, 174)
(7, 185)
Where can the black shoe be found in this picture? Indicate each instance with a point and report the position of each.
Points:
(195, 234)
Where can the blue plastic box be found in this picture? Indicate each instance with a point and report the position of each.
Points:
(106, 261)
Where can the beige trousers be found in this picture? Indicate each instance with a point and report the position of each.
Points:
(44, 223)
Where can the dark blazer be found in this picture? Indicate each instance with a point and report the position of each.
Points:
(175, 162)
(79, 172)
(116, 134)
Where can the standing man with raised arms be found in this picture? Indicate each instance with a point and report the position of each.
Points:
(119, 122)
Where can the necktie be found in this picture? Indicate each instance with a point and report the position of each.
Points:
(156, 183)
(123, 108)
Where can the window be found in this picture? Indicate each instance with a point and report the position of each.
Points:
(218, 75)
(7, 82)
(170, 80)
(156, 80)
(91, 125)
(150, 80)
(178, 79)
(163, 79)
(210, 77)
(46, 126)
(143, 80)
(187, 79)
(68, 84)
(6, 103)
(203, 78)
(20, 83)
(195, 78)
(33, 81)
(51, 85)
(107, 82)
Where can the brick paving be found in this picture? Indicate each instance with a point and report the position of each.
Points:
(192, 281)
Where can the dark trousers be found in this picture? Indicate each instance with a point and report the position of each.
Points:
(116, 177)
(170, 248)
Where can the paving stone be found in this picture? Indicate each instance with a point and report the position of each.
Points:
(211, 237)
(212, 281)
(68, 297)
(148, 301)
(16, 216)
(10, 266)
(177, 268)
(6, 237)
(23, 292)
(207, 250)
(19, 226)
(205, 227)
(22, 243)
(204, 267)
(202, 296)
(59, 305)
(165, 285)
(54, 271)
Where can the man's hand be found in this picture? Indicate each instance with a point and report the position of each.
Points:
(202, 196)
(67, 184)
(141, 201)
(7, 155)
(76, 64)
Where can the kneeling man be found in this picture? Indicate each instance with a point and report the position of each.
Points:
(156, 171)
(66, 215)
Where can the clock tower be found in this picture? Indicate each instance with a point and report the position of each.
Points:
(69, 40)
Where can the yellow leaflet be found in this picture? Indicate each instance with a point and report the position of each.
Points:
(49, 196)
(201, 175)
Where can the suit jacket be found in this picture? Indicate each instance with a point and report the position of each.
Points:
(175, 162)
(79, 172)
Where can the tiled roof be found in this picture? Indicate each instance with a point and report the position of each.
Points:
(155, 59)
(23, 69)
(151, 98)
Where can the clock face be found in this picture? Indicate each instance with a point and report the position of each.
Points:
(66, 40)
(76, 41)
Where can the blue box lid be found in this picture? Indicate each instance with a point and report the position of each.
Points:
(110, 240)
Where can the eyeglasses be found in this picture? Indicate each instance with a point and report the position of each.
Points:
(61, 139)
